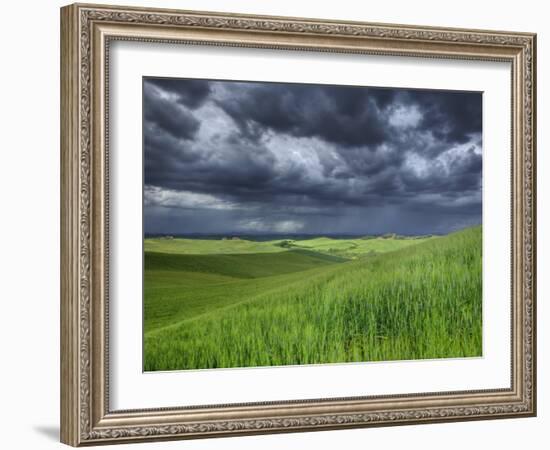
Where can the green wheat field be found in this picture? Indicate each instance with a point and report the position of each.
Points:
(233, 302)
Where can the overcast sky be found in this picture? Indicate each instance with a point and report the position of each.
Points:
(248, 157)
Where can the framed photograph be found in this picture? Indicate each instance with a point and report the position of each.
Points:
(275, 224)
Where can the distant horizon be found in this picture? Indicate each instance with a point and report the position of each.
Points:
(291, 235)
(259, 235)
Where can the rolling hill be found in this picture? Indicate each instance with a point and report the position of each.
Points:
(304, 304)
(343, 247)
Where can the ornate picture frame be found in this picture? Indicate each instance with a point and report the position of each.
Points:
(87, 31)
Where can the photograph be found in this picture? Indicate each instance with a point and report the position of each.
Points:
(294, 224)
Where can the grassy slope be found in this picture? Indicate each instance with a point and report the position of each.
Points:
(210, 246)
(248, 265)
(183, 277)
(419, 302)
(353, 248)
(179, 287)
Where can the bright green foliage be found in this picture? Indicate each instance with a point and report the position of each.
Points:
(248, 265)
(354, 248)
(178, 287)
(347, 248)
(422, 301)
(210, 246)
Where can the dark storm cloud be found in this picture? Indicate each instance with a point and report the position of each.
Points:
(462, 175)
(191, 93)
(347, 116)
(168, 115)
(271, 157)
(449, 116)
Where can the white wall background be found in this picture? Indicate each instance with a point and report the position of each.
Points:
(29, 223)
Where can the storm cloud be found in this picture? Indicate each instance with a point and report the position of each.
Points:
(276, 158)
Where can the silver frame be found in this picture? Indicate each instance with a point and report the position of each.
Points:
(86, 33)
